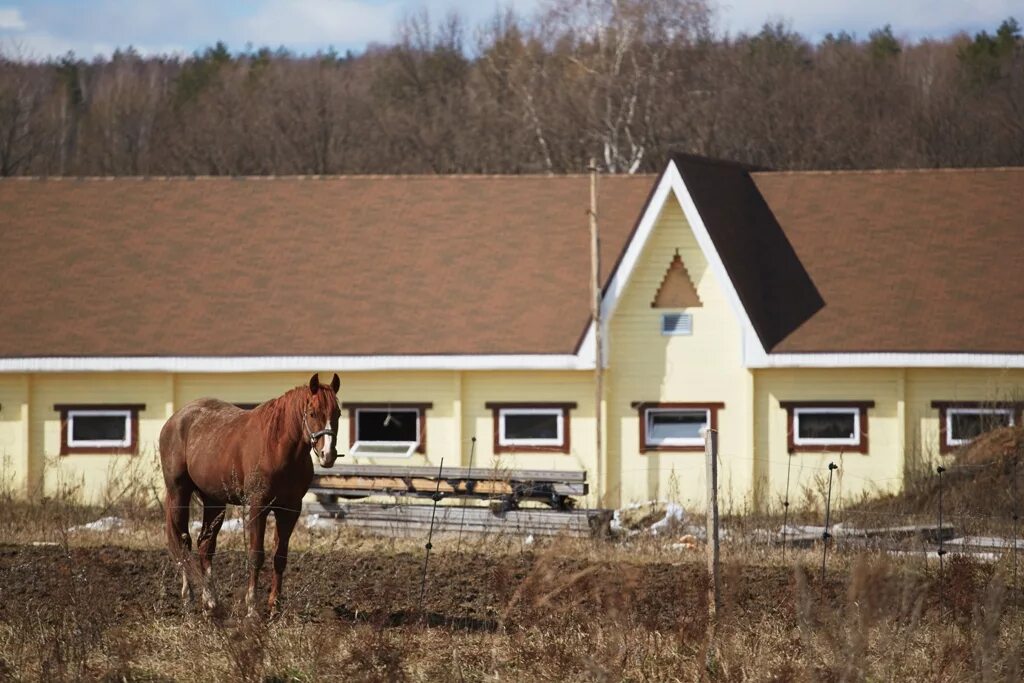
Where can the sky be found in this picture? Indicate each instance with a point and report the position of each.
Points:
(36, 29)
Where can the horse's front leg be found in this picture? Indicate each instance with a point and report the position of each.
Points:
(286, 518)
(257, 527)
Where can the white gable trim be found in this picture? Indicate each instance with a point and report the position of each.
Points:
(671, 184)
(754, 355)
(296, 363)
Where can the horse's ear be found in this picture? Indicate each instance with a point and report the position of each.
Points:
(335, 383)
(314, 383)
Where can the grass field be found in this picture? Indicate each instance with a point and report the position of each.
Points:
(105, 606)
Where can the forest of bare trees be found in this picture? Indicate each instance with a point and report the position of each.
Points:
(625, 81)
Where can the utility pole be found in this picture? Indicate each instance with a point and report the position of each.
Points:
(595, 315)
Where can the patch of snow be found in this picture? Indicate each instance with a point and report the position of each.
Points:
(228, 525)
(674, 515)
(315, 521)
(101, 524)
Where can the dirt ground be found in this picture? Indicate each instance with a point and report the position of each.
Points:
(106, 606)
(464, 588)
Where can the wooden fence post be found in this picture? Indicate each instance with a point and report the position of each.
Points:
(711, 455)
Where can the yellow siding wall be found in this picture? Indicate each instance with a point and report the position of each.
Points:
(480, 388)
(880, 469)
(458, 414)
(702, 368)
(14, 460)
(96, 477)
(927, 385)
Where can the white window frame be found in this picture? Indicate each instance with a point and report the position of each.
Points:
(655, 443)
(557, 442)
(402, 449)
(854, 440)
(950, 411)
(99, 443)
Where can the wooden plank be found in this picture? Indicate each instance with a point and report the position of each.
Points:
(479, 487)
(930, 532)
(411, 518)
(560, 476)
(985, 543)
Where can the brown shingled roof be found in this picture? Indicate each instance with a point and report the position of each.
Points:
(906, 261)
(303, 266)
(870, 261)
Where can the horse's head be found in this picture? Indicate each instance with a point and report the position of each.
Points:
(320, 420)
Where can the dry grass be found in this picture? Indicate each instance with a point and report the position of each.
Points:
(103, 606)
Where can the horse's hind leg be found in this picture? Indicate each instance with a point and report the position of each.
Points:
(213, 517)
(179, 542)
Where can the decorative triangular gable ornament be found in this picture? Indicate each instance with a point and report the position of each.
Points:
(676, 290)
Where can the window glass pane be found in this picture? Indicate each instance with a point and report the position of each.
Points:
(99, 428)
(400, 425)
(965, 425)
(531, 426)
(676, 424)
(837, 425)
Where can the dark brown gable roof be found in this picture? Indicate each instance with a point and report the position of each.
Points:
(925, 261)
(293, 266)
(881, 261)
(770, 280)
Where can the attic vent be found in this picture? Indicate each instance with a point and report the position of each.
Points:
(676, 324)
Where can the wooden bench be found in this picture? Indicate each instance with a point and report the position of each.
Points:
(508, 487)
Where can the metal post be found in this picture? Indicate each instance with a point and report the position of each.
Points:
(1016, 517)
(825, 535)
(939, 470)
(430, 534)
(711, 455)
(785, 506)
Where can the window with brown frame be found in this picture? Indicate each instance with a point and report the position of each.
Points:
(827, 426)
(387, 430)
(99, 428)
(961, 421)
(675, 426)
(531, 427)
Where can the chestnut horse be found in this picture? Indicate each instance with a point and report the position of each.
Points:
(260, 458)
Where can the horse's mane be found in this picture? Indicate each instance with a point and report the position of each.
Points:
(273, 412)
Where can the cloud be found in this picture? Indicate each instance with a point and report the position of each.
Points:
(10, 19)
(319, 23)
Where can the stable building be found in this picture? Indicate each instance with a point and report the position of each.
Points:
(872, 319)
